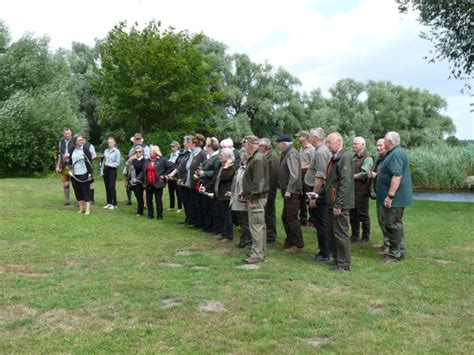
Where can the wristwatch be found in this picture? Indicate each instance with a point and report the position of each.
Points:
(390, 196)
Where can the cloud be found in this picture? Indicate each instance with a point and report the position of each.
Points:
(319, 41)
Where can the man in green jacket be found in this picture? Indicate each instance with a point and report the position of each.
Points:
(255, 187)
(291, 186)
(339, 190)
(394, 193)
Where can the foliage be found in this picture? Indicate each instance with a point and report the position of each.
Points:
(450, 30)
(154, 79)
(441, 166)
(29, 126)
(115, 283)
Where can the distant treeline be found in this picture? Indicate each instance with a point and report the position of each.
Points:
(166, 83)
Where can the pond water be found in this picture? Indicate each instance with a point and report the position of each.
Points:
(444, 196)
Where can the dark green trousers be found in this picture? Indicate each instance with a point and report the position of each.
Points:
(338, 231)
(270, 219)
(382, 226)
(392, 222)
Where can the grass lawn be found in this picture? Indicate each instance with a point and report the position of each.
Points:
(114, 282)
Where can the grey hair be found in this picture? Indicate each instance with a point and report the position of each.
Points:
(318, 133)
(227, 143)
(393, 137)
(265, 142)
(243, 154)
(228, 153)
(188, 138)
(360, 140)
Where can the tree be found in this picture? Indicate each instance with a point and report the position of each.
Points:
(154, 80)
(415, 114)
(450, 30)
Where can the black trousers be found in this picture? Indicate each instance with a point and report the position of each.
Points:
(158, 194)
(82, 190)
(110, 178)
(186, 203)
(138, 191)
(360, 216)
(294, 236)
(173, 190)
(201, 211)
(319, 216)
(225, 219)
(270, 218)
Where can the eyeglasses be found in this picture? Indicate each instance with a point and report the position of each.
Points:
(138, 151)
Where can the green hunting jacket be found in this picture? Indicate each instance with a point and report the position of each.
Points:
(256, 179)
(339, 188)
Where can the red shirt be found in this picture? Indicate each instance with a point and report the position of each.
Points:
(151, 173)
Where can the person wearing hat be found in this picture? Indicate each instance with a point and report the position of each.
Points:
(306, 154)
(128, 171)
(291, 186)
(175, 192)
(255, 187)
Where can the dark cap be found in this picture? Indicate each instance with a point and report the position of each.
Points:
(302, 134)
(250, 139)
(137, 136)
(283, 138)
(174, 144)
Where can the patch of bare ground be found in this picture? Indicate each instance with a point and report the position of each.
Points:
(212, 306)
(376, 308)
(15, 312)
(169, 303)
(319, 341)
(170, 264)
(444, 262)
(199, 268)
(23, 270)
(184, 253)
(248, 267)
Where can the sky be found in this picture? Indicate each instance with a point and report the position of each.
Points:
(318, 41)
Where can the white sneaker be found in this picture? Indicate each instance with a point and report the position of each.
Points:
(112, 207)
(107, 206)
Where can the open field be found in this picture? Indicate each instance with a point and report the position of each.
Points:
(114, 282)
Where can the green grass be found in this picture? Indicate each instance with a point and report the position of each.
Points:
(100, 283)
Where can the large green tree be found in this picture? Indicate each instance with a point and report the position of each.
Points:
(154, 80)
(450, 29)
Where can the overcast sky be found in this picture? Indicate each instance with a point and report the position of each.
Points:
(319, 41)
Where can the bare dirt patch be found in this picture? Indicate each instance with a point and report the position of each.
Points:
(444, 262)
(169, 264)
(248, 267)
(319, 341)
(212, 306)
(199, 268)
(16, 312)
(169, 303)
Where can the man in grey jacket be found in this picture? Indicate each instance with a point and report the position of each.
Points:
(291, 186)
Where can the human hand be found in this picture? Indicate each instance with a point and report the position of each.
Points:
(336, 212)
(387, 203)
(287, 194)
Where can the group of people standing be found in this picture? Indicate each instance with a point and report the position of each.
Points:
(322, 184)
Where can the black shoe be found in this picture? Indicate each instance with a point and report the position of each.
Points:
(150, 217)
(320, 259)
(159, 218)
(129, 203)
(67, 203)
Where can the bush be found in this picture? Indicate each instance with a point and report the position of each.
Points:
(30, 128)
(441, 167)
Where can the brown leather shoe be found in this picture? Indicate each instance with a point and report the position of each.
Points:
(294, 249)
(382, 250)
